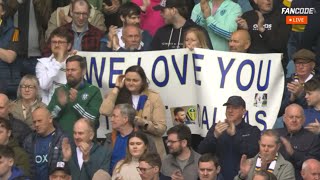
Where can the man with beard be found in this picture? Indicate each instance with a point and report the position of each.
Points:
(232, 138)
(77, 99)
(268, 159)
(182, 161)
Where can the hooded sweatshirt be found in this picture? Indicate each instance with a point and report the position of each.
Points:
(167, 37)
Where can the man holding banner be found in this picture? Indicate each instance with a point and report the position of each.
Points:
(232, 138)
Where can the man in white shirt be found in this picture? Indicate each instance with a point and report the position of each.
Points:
(51, 71)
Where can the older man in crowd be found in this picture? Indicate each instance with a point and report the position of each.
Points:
(86, 157)
(298, 144)
(268, 158)
(232, 138)
(310, 170)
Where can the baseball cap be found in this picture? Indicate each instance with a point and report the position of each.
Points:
(169, 4)
(304, 54)
(235, 101)
(61, 166)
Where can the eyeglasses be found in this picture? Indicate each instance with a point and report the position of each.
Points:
(171, 142)
(58, 42)
(27, 87)
(78, 14)
(143, 170)
(302, 63)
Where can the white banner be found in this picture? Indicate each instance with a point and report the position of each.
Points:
(200, 81)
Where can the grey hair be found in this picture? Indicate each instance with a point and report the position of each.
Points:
(127, 110)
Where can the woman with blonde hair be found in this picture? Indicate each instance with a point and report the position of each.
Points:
(195, 37)
(126, 169)
(28, 99)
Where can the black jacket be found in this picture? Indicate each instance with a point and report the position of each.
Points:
(20, 130)
(305, 144)
(275, 37)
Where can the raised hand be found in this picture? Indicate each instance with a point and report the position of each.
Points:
(220, 128)
(85, 149)
(73, 94)
(295, 88)
(287, 145)
(205, 8)
(231, 130)
(62, 97)
(314, 127)
(260, 21)
(145, 5)
(242, 23)
(245, 166)
(120, 81)
(66, 149)
(177, 175)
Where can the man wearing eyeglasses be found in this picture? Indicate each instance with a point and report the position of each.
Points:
(85, 36)
(304, 61)
(181, 162)
(51, 71)
(62, 16)
(149, 167)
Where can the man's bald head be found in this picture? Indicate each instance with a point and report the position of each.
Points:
(4, 98)
(294, 118)
(310, 169)
(4, 106)
(240, 41)
(42, 121)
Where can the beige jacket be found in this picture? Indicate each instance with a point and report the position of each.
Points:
(153, 114)
(96, 19)
(15, 109)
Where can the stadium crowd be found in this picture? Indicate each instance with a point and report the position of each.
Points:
(49, 113)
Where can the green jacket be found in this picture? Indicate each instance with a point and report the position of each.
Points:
(221, 25)
(86, 106)
(99, 159)
(21, 158)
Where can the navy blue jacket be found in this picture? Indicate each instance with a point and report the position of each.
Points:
(229, 149)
